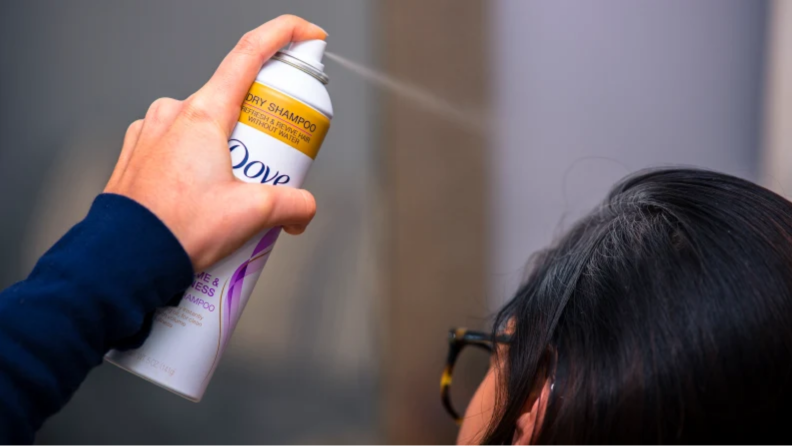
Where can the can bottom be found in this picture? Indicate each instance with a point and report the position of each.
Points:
(158, 384)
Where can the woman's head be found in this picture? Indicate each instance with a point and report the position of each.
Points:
(663, 316)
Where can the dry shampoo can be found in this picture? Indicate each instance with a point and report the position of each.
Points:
(283, 122)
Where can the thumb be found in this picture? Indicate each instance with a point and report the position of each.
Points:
(266, 206)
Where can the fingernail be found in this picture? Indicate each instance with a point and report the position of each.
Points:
(295, 229)
(323, 30)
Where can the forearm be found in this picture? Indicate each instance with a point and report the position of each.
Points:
(88, 293)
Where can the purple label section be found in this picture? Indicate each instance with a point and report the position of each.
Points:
(232, 307)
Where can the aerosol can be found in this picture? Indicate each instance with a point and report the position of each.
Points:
(283, 122)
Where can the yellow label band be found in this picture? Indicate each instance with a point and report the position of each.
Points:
(285, 118)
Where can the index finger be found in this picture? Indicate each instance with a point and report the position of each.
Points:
(222, 96)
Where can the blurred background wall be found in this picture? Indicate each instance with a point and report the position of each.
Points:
(422, 225)
(601, 89)
(776, 167)
(435, 182)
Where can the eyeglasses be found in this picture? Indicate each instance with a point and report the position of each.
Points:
(458, 339)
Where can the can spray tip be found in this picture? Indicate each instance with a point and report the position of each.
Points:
(308, 51)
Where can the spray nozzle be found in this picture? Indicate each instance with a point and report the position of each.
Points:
(308, 51)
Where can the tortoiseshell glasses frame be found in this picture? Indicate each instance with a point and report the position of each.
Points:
(458, 339)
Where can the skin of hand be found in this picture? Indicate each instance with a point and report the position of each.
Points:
(176, 163)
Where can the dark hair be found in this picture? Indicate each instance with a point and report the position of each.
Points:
(668, 312)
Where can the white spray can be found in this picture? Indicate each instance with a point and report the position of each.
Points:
(283, 122)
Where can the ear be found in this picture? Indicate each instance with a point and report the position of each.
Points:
(531, 419)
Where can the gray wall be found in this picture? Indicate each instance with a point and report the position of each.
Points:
(591, 91)
(301, 366)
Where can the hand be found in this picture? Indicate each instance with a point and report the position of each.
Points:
(175, 161)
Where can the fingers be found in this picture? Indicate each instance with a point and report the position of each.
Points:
(160, 116)
(288, 207)
(270, 206)
(130, 141)
(294, 229)
(222, 96)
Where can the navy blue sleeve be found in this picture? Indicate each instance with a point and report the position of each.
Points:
(89, 293)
